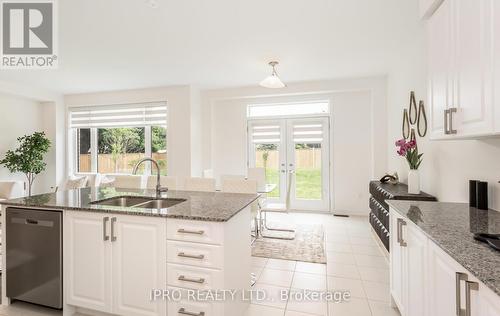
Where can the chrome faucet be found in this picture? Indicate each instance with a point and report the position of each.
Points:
(159, 188)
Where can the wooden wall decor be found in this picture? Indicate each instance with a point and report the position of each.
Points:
(406, 125)
(413, 108)
(421, 120)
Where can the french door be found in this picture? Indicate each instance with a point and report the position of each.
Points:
(295, 155)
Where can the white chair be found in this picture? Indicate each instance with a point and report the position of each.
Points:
(208, 173)
(259, 175)
(200, 184)
(11, 189)
(75, 182)
(165, 181)
(127, 181)
(277, 208)
(238, 185)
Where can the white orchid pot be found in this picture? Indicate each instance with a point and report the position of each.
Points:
(413, 182)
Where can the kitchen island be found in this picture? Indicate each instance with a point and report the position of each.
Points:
(124, 251)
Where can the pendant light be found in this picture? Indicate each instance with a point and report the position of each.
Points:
(273, 81)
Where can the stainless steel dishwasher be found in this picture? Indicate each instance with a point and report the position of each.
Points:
(34, 256)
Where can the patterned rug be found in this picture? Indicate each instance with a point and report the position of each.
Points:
(308, 245)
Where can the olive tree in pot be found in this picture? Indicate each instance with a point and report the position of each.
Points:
(28, 157)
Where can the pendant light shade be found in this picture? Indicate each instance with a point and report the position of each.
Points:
(273, 81)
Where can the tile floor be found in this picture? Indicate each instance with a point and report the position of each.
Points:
(354, 263)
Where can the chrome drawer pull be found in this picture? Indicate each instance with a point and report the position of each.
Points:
(183, 311)
(182, 254)
(193, 232)
(184, 279)
(469, 286)
(459, 276)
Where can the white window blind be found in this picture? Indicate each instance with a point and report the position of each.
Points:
(123, 115)
(265, 134)
(308, 133)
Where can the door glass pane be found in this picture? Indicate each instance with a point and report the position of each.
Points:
(119, 149)
(267, 157)
(83, 145)
(159, 148)
(308, 171)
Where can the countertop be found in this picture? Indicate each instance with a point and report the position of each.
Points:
(202, 206)
(452, 226)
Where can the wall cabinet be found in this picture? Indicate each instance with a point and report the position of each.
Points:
(463, 59)
(113, 262)
(425, 281)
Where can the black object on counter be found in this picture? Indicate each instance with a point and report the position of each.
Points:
(473, 193)
(482, 195)
(493, 240)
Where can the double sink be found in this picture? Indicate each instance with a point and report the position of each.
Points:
(139, 202)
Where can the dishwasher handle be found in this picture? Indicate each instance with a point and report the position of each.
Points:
(32, 222)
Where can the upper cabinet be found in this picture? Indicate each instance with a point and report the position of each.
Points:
(463, 61)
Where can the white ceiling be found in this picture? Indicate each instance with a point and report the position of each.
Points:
(121, 44)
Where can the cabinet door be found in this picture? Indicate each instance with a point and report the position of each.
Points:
(474, 61)
(87, 261)
(139, 264)
(440, 61)
(416, 271)
(496, 59)
(488, 302)
(396, 262)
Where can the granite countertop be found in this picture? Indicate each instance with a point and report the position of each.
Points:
(452, 226)
(203, 206)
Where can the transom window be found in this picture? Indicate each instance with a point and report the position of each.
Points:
(288, 109)
(112, 139)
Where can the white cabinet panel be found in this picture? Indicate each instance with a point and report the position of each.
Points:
(397, 264)
(416, 271)
(195, 231)
(439, 30)
(474, 84)
(139, 264)
(195, 254)
(87, 261)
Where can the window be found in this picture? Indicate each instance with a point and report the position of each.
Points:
(112, 139)
(288, 109)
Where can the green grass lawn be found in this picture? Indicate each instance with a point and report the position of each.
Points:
(307, 186)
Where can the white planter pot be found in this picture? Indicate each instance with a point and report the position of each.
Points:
(413, 182)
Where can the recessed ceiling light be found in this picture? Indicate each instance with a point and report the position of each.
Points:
(273, 81)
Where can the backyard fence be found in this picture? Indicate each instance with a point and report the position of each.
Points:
(124, 163)
(304, 158)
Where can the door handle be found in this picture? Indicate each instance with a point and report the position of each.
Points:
(184, 255)
(184, 279)
(105, 236)
(459, 276)
(192, 232)
(182, 311)
(398, 230)
(446, 128)
(402, 242)
(451, 111)
(469, 286)
(113, 221)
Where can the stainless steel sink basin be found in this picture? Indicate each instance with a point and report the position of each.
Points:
(123, 201)
(161, 203)
(139, 202)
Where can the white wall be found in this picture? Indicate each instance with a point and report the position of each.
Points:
(21, 116)
(359, 134)
(178, 100)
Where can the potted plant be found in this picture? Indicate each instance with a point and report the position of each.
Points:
(409, 150)
(28, 157)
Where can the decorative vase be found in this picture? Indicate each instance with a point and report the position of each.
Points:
(413, 182)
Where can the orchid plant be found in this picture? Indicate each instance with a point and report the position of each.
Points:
(409, 150)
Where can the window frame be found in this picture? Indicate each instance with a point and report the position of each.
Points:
(289, 115)
(148, 152)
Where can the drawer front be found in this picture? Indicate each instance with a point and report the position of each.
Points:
(195, 254)
(194, 278)
(195, 231)
(185, 306)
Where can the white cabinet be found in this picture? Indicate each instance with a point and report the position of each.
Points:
(461, 59)
(426, 281)
(113, 262)
(408, 267)
(87, 261)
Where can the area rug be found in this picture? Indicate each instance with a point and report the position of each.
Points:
(308, 245)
